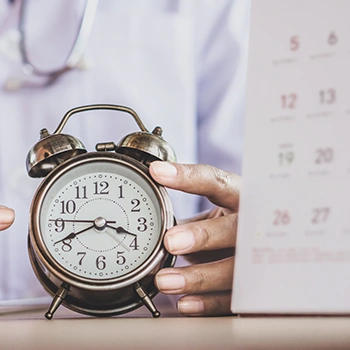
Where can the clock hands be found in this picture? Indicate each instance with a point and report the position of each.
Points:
(118, 240)
(121, 230)
(99, 224)
(74, 234)
(84, 221)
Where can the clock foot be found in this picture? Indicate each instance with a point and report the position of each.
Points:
(57, 300)
(147, 301)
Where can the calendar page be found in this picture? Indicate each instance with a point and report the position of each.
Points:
(293, 244)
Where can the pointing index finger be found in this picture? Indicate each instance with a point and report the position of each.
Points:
(220, 187)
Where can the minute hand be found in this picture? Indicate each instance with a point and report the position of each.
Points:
(121, 230)
(74, 234)
(83, 221)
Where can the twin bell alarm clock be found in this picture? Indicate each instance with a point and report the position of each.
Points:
(98, 219)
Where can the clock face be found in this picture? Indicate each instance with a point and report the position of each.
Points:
(100, 220)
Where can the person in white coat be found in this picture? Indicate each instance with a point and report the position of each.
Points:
(180, 64)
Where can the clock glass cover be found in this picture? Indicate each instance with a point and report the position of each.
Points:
(100, 220)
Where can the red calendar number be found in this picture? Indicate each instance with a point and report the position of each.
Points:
(294, 43)
(327, 96)
(332, 38)
(320, 215)
(324, 155)
(281, 217)
(288, 101)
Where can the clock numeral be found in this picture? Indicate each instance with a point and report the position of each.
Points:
(68, 207)
(120, 258)
(134, 244)
(66, 245)
(59, 223)
(100, 262)
(121, 191)
(80, 192)
(101, 187)
(142, 227)
(320, 215)
(136, 205)
(83, 256)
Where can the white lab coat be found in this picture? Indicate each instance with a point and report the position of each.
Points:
(179, 63)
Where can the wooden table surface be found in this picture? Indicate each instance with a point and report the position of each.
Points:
(28, 329)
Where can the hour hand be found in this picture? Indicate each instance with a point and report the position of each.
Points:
(121, 230)
(74, 234)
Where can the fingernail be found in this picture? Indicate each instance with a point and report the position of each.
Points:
(190, 306)
(179, 241)
(6, 216)
(170, 282)
(164, 169)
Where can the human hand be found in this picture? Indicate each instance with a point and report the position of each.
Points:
(7, 217)
(207, 241)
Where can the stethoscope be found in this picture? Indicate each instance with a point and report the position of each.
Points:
(34, 77)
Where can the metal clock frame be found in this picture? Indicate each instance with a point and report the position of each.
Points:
(55, 155)
(80, 291)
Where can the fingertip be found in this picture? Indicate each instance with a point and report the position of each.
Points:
(179, 241)
(169, 281)
(212, 304)
(159, 169)
(190, 306)
(7, 216)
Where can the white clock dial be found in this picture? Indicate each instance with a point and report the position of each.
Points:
(100, 220)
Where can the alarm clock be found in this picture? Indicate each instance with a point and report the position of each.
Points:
(97, 220)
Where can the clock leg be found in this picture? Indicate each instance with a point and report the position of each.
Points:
(147, 301)
(57, 300)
